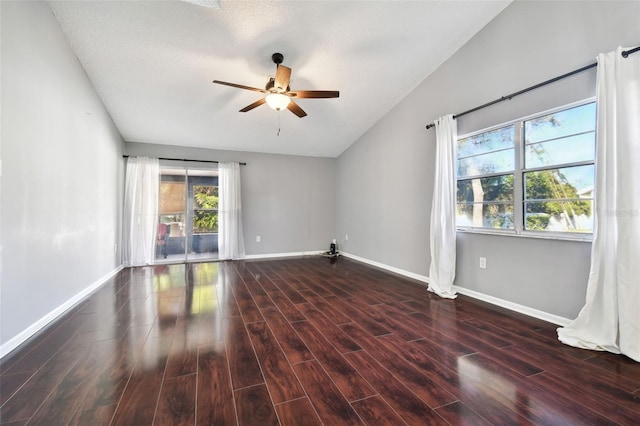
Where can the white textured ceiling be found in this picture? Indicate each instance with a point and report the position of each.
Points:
(152, 63)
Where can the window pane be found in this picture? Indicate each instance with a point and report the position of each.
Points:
(205, 216)
(493, 162)
(567, 182)
(496, 188)
(561, 151)
(559, 216)
(561, 123)
(486, 142)
(487, 215)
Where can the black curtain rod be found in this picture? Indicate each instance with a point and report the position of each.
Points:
(528, 89)
(191, 161)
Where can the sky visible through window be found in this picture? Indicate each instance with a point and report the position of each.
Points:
(550, 141)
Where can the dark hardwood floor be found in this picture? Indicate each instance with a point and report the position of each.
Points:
(304, 342)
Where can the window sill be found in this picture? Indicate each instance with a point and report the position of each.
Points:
(586, 238)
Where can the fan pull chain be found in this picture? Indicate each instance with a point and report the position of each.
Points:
(278, 134)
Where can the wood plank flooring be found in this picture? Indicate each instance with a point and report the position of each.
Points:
(303, 341)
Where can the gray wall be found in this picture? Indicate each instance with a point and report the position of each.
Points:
(61, 172)
(385, 178)
(288, 201)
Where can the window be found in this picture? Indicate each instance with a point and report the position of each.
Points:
(534, 175)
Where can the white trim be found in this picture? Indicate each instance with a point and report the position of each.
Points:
(413, 275)
(535, 313)
(22, 337)
(556, 236)
(275, 255)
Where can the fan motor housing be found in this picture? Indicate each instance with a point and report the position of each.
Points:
(270, 84)
(277, 58)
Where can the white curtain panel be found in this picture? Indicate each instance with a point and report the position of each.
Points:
(140, 216)
(230, 238)
(443, 210)
(610, 319)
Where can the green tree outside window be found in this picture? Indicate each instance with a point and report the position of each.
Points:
(205, 219)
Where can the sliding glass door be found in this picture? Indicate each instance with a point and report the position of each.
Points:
(188, 215)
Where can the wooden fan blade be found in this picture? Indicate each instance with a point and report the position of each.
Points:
(283, 75)
(240, 86)
(295, 108)
(315, 94)
(253, 105)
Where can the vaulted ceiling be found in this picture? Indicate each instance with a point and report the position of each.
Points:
(153, 62)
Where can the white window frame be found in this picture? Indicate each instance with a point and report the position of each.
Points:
(518, 177)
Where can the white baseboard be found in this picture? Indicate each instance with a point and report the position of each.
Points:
(535, 313)
(402, 272)
(276, 255)
(22, 337)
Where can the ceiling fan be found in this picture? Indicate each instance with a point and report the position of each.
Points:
(278, 93)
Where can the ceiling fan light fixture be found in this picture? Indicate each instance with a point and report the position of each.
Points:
(277, 91)
(277, 101)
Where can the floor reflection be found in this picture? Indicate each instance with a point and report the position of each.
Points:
(472, 374)
(183, 301)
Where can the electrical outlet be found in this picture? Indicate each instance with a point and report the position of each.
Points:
(257, 238)
(346, 237)
(483, 263)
